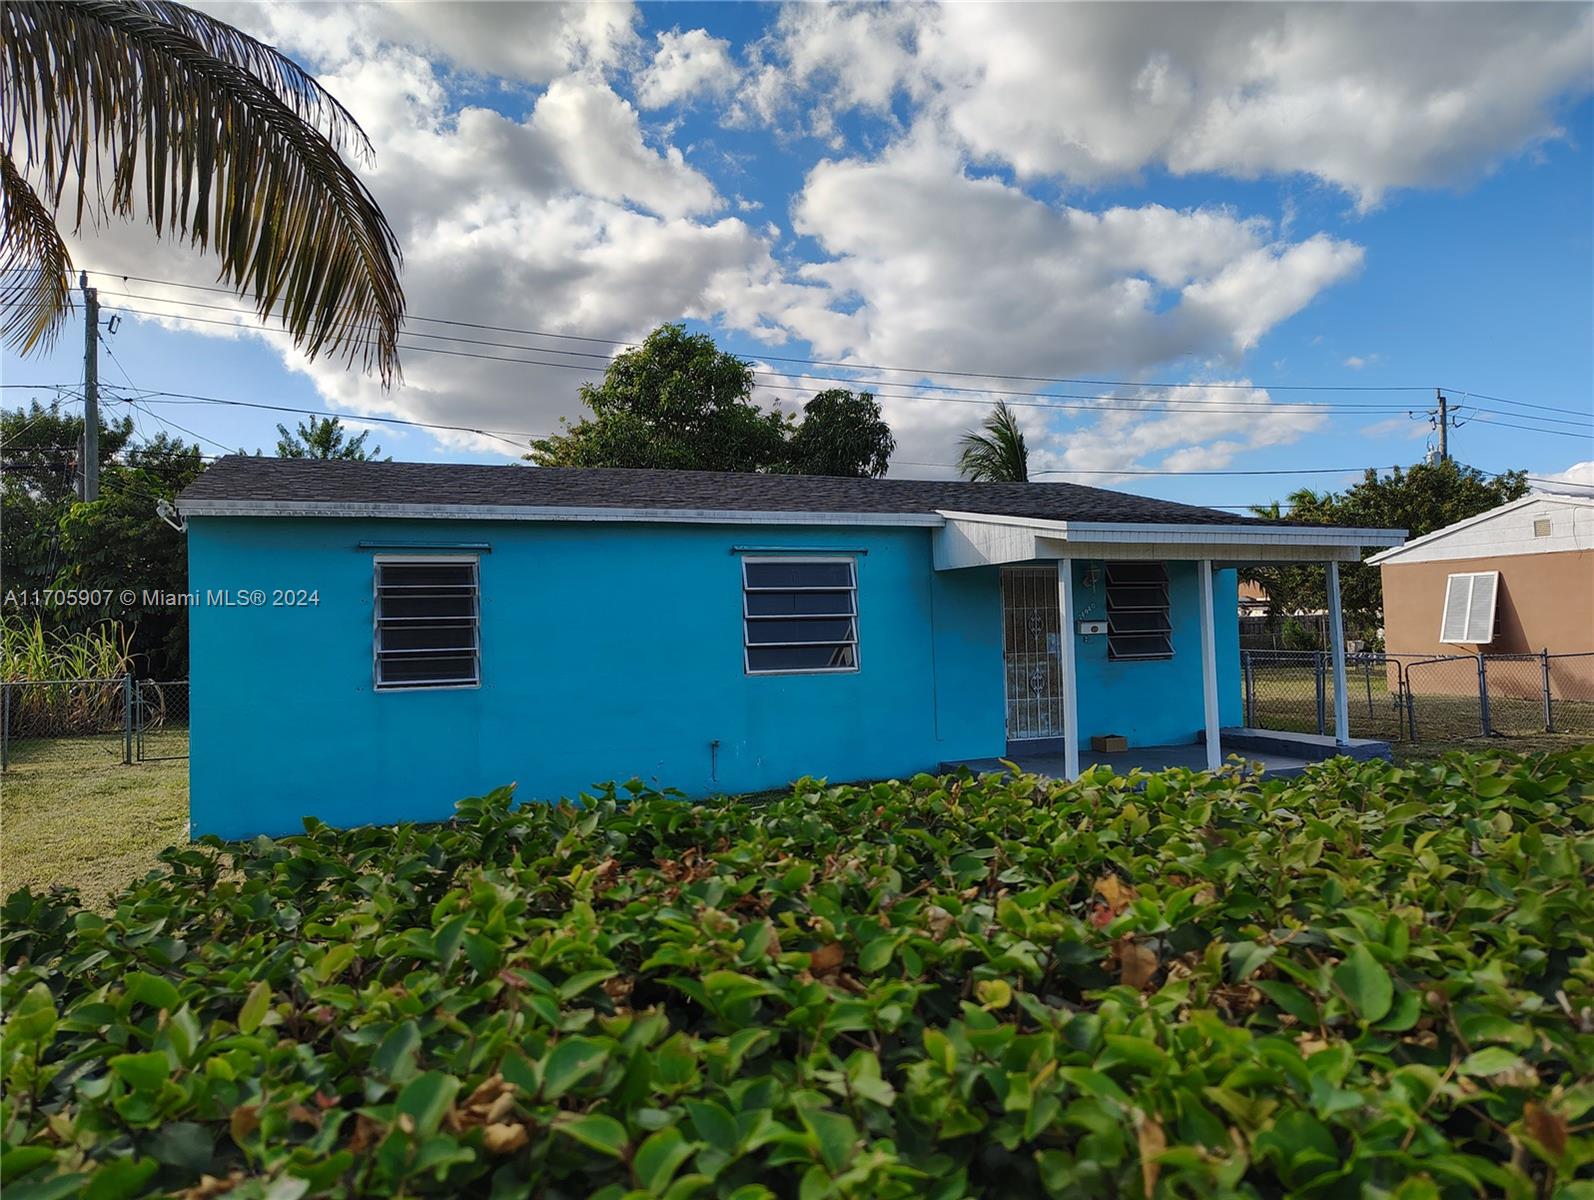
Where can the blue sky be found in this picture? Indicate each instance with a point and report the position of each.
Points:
(1251, 199)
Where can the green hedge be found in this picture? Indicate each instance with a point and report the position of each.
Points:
(1373, 981)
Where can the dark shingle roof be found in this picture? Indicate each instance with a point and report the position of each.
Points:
(245, 478)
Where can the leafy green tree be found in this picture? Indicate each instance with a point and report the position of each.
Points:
(39, 448)
(842, 433)
(116, 543)
(679, 402)
(996, 451)
(125, 107)
(120, 544)
(323, 438)
(1419, 499)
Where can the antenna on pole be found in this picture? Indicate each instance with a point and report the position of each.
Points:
(91, 389)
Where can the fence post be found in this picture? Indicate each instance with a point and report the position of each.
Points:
(1483, 697)
(1322, 712)
(127, 719)
(1411, 705)
(1549, 714)
(1367, 678)
(1250, 688)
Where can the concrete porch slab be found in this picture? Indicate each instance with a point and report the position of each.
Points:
(1281, 754)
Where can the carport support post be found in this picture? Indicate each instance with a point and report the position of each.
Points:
(1209, 665)
(1065, 657)
(1336, 642)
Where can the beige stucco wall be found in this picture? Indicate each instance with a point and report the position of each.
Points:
(1546, 603)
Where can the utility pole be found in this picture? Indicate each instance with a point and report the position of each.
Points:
(91, 389)
(1444, 425)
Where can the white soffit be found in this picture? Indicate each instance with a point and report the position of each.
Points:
(979, 539)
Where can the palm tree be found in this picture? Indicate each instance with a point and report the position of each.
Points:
(323, 438)
(995, 452)
(123, 107)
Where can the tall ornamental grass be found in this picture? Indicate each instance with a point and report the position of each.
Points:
(61, 682)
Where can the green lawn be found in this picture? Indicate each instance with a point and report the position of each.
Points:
(71, 813)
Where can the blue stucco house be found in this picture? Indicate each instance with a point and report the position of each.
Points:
(371, 642)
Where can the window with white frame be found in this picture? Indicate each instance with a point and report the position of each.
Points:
(799, 615)
(428, 623)
(1137, 611)
(1470, 603)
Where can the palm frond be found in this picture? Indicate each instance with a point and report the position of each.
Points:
(35, 266)
(222, 140)
(996, 452)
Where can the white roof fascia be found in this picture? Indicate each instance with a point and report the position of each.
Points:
(1173, 531)
(512, 512)
(1531, 498)
(1037, 524)
(1253, 535)
(982, 539)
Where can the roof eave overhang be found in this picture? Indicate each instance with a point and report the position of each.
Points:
(980, 539)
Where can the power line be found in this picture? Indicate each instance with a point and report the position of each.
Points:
(1520, 403)
(160, 397)
(918, 371)
(1489, 420)
(1027, 399)
(183, 428)
(818, 362)
(1018, 398)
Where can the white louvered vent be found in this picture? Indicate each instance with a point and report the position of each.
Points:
(1469, 608)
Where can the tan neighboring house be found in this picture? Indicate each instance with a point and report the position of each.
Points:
(1518, 579)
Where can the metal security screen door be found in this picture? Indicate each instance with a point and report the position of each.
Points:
(1031, 646)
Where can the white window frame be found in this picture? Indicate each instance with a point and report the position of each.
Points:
(377, 563)
(852, 565)
(1466, 620)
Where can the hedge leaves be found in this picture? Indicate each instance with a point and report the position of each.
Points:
(1374, 981)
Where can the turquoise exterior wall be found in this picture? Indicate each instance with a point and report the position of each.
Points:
(1158, 702)
(609, 652)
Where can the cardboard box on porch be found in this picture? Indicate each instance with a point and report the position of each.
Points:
(1108, 743)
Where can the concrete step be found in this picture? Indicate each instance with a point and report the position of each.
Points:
(1313, 747)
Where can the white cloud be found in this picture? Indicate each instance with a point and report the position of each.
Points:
(685, 66)
(1203, 428)
(1364, 97)
(568, 221)
(525, 43)
(927, 263)
(1578, 480)
(577, 219)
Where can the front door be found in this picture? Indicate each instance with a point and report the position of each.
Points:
(1031, 653)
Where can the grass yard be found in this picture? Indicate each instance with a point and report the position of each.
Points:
(72, 814)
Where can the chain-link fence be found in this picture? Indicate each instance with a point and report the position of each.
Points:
(125, 719)
(1394, 697)
(1294, 690)
(160, 720)
(1570, 682)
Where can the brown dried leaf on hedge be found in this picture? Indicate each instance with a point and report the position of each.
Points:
(1137, 962)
